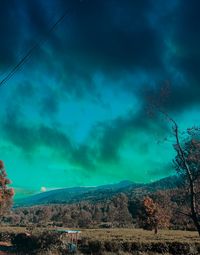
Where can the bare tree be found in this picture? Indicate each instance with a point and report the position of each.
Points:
(187, 160)
(187, 163)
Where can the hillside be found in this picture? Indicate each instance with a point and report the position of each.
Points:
(76, 194)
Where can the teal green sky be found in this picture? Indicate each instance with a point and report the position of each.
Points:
(76, 113)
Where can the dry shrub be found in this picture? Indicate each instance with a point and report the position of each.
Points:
(127, 246)
(24, 243)
(6, 236)
(177, 248)
(95, 247)
(160, 247)
(174, 248)
(113, 246)
(41, 242)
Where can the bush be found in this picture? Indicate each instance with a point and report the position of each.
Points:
(25, 243)
(159, 248)
(177, 248)
(96, 247)
(127, 246)
(44, 241)
(49, 239)
(6, 236)
(113, 246)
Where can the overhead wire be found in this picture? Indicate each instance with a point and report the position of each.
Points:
(32, 49)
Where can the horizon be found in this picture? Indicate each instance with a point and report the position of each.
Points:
(25, 193)
(75, 113)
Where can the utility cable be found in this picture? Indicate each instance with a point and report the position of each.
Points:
(30, 52)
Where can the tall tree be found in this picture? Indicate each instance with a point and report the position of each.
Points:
(187, 162)
(6, 193)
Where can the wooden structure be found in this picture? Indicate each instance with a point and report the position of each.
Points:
(72, 237)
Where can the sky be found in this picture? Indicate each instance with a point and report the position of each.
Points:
(76, 112)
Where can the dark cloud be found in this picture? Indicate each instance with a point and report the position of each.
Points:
(116, 35)
(11, 33)
(115, 38)
(28, 138)
(49, 103)
(111, 136)
(18, 134)
(37, 18)
(185, 59)
(166, 170)
(84, 156)
(25, 91)
(109, 36)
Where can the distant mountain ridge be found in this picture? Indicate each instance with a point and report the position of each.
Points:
(77, 194)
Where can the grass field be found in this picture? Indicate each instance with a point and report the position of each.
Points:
(137, 241)
(131, 241)
(139, 235)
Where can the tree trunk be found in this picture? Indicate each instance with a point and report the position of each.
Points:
(196, 222)
(194, 213)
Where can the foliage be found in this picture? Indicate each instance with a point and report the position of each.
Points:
(123, 211)
(24, 242)
(6, 194)
(152, 215)
(39, 241)
(107, 213)
(149, 214)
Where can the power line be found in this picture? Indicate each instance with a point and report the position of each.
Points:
(30, 52)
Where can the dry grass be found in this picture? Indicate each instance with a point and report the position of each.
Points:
(129, 241)
(124, 234)
(139, 235)
(139, 242)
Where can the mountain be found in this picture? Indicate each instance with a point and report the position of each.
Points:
(77, 194)
(169, 182)
(70, 195)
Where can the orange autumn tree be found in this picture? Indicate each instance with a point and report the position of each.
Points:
(6, 193)
(153, 216)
